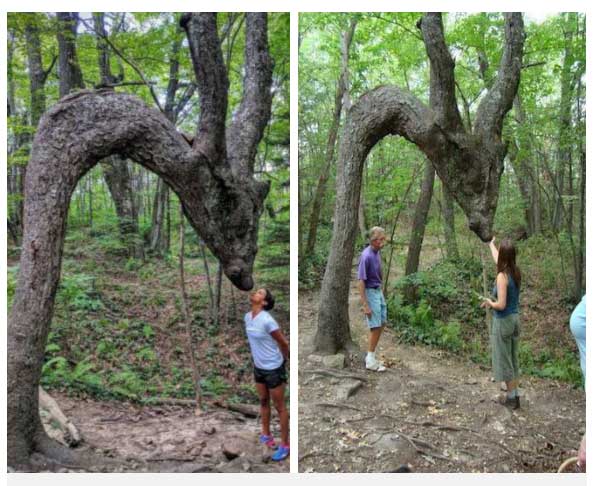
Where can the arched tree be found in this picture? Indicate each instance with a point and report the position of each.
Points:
(213, 179)
(468, 161)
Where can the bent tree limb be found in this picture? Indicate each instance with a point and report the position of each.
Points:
(219, 197)
(469, 163)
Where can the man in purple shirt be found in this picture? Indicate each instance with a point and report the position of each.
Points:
(371, 296)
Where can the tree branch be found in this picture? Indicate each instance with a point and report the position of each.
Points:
(442, 78)
(499, 98)
(248, 125)
(133, 65)
(212, 81)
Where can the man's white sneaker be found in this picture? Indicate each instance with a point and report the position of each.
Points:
(375, 366)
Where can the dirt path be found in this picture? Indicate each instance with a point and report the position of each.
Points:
(432, 410)
(168, 438)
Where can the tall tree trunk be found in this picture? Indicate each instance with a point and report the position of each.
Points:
(448, 213)
(159, 235)
(419, 224)
(37, 79)
(15, 143)
(69, 71)
(340, 91)
(117, 177)
(564, 149)
(190, 348)
(470, 163)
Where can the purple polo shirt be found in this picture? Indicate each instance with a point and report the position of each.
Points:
(369, 268)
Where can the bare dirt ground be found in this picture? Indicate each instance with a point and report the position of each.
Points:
(431, 410)
(166, 438)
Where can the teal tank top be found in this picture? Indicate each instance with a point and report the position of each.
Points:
(511, 306)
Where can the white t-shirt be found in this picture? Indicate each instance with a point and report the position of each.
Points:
(265, 351)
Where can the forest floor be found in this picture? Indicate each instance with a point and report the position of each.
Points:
(164, 438)
(120, 339)
(431, 410)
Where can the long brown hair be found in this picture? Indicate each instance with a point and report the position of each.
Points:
(506, 261)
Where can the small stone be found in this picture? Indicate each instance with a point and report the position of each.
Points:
(336, 361)
(231, 451)
(347, 388)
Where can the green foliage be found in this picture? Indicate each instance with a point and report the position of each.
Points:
(214, 386)
(546, 364)
(11, 284)
(78, 292)
(418, 324)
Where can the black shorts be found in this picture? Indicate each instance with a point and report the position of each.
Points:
(271, 378)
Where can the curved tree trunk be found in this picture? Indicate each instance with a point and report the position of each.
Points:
(219, 197)
(469, 163)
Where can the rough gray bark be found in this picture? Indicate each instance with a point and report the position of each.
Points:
(220, 199)
(69, 70)
(342, 87)
(469, 163)
(419, 223)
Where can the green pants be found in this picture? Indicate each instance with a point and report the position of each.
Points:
(504, 341)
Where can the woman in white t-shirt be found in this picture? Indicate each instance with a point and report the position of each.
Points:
(270, 351)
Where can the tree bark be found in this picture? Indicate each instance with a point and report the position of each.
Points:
(470, 164)
(342, 87)
(219, 196)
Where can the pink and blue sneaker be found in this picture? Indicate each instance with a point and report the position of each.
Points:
(267, 440)
(281, 453)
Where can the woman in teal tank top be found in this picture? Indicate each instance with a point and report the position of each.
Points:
(505, 329)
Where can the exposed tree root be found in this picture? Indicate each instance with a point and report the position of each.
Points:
(71, 433)
(335, 374)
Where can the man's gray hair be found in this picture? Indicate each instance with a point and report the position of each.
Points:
(375, 232)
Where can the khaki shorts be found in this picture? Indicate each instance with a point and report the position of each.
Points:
(504, 341)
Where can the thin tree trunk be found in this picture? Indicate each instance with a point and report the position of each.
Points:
(117, 178)
(69, 70)
(209, 286)
(419, 225)
(196, 381)
(448, 213)
(565, 135)
(393, 229)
